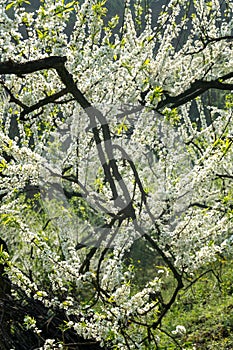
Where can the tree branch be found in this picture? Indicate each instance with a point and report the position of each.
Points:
(196, 89)
(43, 102)
(209, 41)
(11, 67)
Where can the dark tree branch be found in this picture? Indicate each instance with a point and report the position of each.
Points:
(205, 206)
(12, 97)
(43, 102)
(225, 37)
(196, 89)
(11, 67)
(53, 62)
(200, 276)
(224, 176)
(68, 81)
(175, 272)
(209, 41)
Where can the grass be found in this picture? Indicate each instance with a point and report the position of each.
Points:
(206, 311)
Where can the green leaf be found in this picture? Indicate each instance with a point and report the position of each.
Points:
(156, 94)
(122, 127)
(70, 4)
(42, 35)
(17, 3)
(3, 165)
(10, 5)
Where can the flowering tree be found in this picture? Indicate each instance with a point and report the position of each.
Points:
(106, 139)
